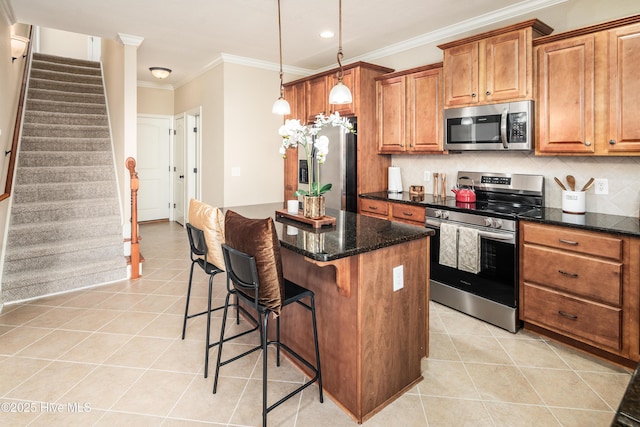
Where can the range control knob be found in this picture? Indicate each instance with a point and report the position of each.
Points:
(445, 215)
(497, 223)
(438, 214)
(488, 222)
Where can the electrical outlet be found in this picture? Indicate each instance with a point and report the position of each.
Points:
(602, 186)
(427, 176)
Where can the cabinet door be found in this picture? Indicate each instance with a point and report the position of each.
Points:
(349, 80)
(565, 104)
(296, 97)
(317, 97)
(624, 89)
(506, 67)
(391, 114)
(424, 111)
(461, 75)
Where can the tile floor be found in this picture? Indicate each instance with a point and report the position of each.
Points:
(112, 355)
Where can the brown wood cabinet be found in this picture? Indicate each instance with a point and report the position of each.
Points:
(576, 284)
(310, 96)
(588, 91)
(393, 211)
(634, 296)
(495, 66)
(409, 111)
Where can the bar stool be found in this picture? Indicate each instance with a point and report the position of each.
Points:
(265, 297)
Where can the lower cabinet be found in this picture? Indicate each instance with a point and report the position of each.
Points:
(401, 212)
(581, 285)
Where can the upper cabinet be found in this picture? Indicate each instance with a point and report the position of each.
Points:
(318, 89)
(409, 111)
(491, 67)
(588, 90)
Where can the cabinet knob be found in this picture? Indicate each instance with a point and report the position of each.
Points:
(587, 143)
(411, 145)
(473, 95)
(487, 93)
(612, 141)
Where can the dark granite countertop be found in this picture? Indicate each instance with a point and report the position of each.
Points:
(628, 414)
(615, 224)
(351, 235)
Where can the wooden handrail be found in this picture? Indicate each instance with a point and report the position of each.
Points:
(135, 247)
(18, 123)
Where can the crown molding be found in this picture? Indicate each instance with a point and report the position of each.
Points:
(129, 40)
(469, 25)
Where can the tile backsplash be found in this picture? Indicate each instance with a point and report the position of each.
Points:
(622, 173)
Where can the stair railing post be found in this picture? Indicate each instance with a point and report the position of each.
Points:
(135, 249)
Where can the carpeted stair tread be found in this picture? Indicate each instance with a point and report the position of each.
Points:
(42, 249)
(44, 57)
(65, 77)
(29, 234)
(56, 118)
(39, 64)
(58, 158)
(64, 131)
(34, 212)
(37, 143)
(64, 191)
(65, 107)
(59, 85)
(63, 174)
(62, 96)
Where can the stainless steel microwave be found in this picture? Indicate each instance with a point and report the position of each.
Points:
(496, 127)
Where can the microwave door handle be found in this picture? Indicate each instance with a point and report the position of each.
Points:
(503, 128)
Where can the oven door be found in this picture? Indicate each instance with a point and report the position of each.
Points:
(497, 278)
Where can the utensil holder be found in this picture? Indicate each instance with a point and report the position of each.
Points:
(574, 202)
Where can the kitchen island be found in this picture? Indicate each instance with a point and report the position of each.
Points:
(370, 278)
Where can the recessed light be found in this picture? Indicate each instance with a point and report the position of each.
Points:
(327, 34)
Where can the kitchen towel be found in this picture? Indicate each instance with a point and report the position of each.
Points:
(468, 250)
(395, 180)
(449, 245)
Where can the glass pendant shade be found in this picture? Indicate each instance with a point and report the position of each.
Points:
(281, 106)
(340, 94)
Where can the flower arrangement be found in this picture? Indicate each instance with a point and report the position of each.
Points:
(316, 147)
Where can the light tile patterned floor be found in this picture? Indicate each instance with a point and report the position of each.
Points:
(112, 355)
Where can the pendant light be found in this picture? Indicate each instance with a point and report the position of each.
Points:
(340, 93)
(281, 106)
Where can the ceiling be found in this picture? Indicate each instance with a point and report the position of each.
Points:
(188, 35)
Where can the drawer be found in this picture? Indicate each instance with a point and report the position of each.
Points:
(410, 213)
(587, 321)
(592, 278)
(590, 243)
(377, 207)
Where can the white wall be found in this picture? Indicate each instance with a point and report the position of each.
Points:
(69, 45)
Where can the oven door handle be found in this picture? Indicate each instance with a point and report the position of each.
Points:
(485, 234)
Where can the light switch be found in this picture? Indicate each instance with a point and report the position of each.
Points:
(235, 171)
(398, 278)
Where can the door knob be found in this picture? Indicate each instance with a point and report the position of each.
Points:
(181, 176)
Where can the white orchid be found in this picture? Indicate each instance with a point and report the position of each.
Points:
(295, 134)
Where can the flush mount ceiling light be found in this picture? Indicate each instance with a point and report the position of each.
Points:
(160, 72)
(340, 93)
(18, 46)
(281, 106)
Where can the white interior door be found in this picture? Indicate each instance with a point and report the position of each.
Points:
(152, 164)
(178, 173)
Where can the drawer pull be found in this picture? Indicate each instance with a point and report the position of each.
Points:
(407, 214)
(574, 275)
(567, 315)
(373, 208)
(568, 242)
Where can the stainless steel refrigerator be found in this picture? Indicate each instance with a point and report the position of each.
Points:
(339, 169)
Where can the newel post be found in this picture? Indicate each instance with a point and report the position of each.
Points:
(135, 249)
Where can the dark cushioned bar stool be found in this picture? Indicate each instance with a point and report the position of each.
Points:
(257, 281)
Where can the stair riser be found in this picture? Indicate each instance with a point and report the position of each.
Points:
(53, 95)
(26, 215)
(64, 145)
(60, 192)
(68, 259)
(67, 87)
(62, 107)
(65, 68)
(58, 232)
(50, 118)
(65, 77)
(61, 131)
(71, 62)
(67, 174)
(47, 158)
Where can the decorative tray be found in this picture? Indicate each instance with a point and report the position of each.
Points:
(315, 223)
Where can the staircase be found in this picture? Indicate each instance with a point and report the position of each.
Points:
(65, 228)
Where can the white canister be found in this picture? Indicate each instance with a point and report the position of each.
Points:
(574, 202)
(293, 206)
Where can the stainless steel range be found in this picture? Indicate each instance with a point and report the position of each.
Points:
(474, 254)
